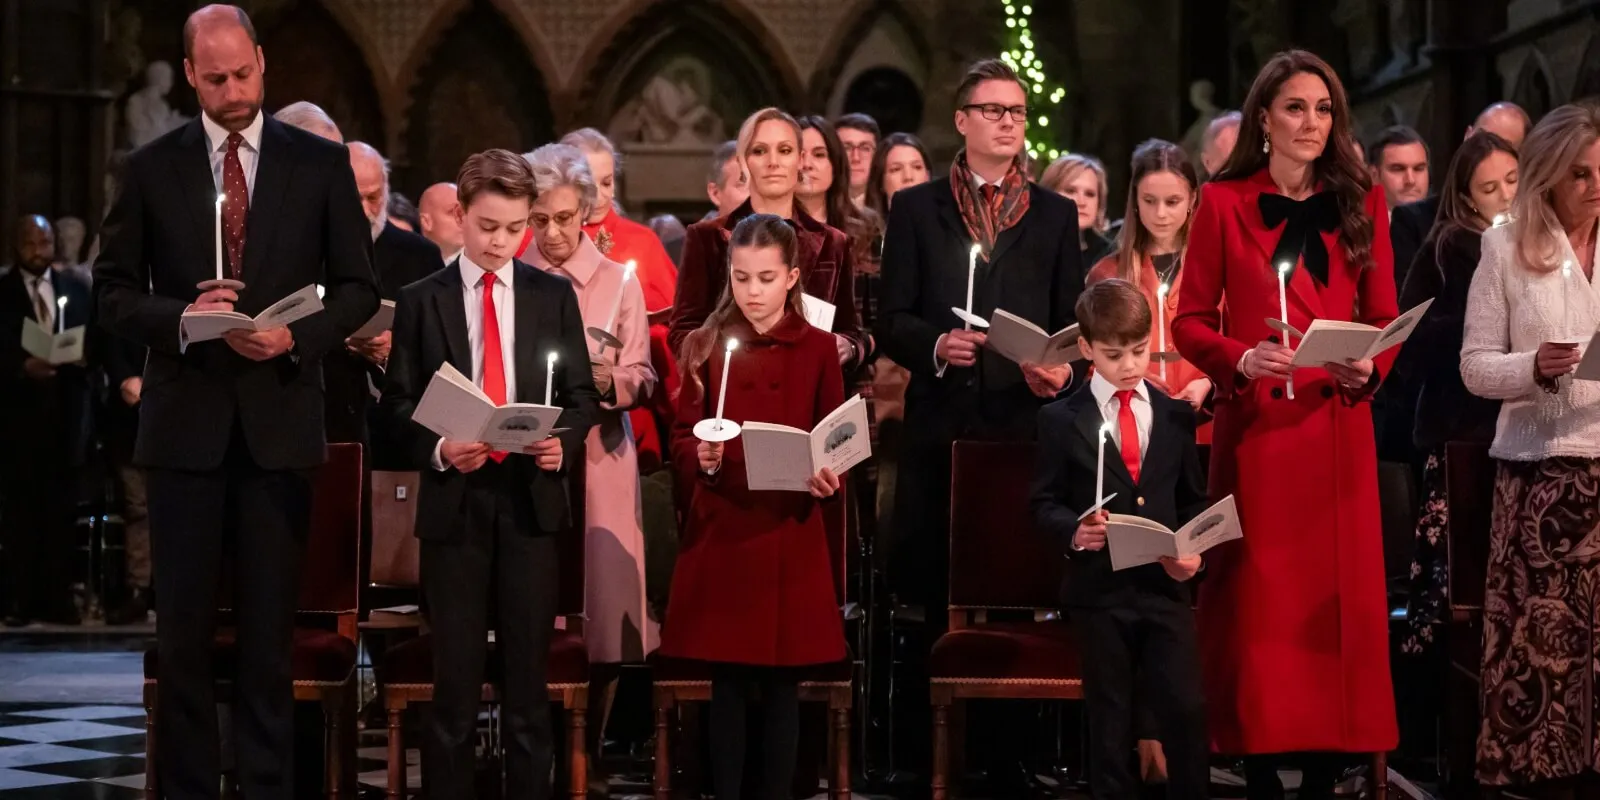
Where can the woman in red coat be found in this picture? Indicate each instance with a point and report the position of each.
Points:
(753, 589)
(1293, 618)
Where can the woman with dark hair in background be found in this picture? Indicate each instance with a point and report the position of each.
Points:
(1083, 179)
(1295, 650)
(901, 161)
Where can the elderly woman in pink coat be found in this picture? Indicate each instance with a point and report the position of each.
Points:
(619, 627)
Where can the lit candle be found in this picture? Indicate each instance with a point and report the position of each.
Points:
(1161, 327)
(722, 393)
(1283, 311)
(1499, 219)
(549, 378)
(1100, 467)
(616, 304)
(1566, 302)
(972, 271)
(61, 314)
(219, 235)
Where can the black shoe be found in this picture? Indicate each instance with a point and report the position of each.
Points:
(134, 611)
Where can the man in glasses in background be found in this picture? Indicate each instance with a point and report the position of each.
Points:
(859, 134)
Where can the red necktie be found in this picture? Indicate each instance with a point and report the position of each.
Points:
(235, 205)
(494, 367)
(1130, 434)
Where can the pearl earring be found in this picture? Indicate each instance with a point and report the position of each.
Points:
(1266, 145)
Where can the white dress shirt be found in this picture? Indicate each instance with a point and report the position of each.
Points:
(249, 152)
(40, 286)
(1105, 398)
(505, 312)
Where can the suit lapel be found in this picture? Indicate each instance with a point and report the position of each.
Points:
(1301, 285)
(1161, 440)
(192, 168)
(453, 316)
(951, 214)
(1088, 421)
(524, 351)
(274, 168)
(1008, 237)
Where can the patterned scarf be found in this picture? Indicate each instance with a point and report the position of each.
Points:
(986, 214)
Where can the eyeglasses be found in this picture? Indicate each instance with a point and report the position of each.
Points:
(864, 148)
(994, 111)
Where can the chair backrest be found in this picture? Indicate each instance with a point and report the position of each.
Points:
(1469, 492)
(394, 525)
(997, 559)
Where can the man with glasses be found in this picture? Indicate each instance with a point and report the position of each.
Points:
(859, 134)
(1029, 264)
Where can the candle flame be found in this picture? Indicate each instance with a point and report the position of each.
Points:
(552, 357)
(1566, 268)
(733, 344)
(977, 250)
(220, 197)
(1162, 290)
(61, 302)
(1500, 219)
(627, 272)
(1105, 430)
(1283, 269)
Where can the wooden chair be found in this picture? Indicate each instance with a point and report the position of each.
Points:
(408, 667)
(1469, 491)
(323, 661)
(678, 681)
(998, 563)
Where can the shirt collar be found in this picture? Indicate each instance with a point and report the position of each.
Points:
(217, 135)
(580, 266)
(472, 274)
(1105, 393)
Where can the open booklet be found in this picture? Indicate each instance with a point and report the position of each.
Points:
(1333, 342)
(456, 409)
(819, 312)
(1136, 541)
(778, 457)
(380, 322)
(1022, 341)
(200, 326)
(65, 347)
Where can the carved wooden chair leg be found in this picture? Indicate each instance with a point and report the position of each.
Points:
(941, 752)
(333, 741)
(663, 766)
(397, 753)
(840, 782)
(577, 744)
(1379, 777)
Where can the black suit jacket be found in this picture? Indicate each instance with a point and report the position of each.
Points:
(1171, 490)
(1395, 404)
(1036, 271)
(430, 329)
(50, 418)
(305, 226)
(1408, 227)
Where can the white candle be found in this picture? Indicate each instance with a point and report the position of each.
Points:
(549, 378)
(1100, 467)
(1161, 327)
(722, 393)
(1566, 302)
(219, 235)
(61, 314)
(616, 304)
(972, 271)
(1283, 311)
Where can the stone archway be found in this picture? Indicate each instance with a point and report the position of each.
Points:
(1534, 89)
(317, 60)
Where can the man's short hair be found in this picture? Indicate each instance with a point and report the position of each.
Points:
(989, 69)
(1392, 136)
(1223, 121)
(1113, 312)
(499, 171)
(190, 27)
(858, 122)
(719, 159)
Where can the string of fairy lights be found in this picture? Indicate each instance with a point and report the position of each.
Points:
(1042, 94)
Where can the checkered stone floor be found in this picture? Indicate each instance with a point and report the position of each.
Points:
(68, 752)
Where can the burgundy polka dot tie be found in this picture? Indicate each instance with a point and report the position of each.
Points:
(235, 206)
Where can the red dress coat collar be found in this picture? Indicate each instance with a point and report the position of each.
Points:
(789, 330)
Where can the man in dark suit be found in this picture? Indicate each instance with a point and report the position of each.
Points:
(1135, 626)
(44, 415)
(231, 431)
(486, 519)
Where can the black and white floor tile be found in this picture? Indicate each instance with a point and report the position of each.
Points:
(71, 751)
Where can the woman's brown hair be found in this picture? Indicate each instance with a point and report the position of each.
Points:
(1153, 157)
(1456, 213)
(756, 230)
(877, 199)
(1338, 168)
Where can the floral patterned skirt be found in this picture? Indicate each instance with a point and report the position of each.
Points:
(1540, 644)
(1430, 568)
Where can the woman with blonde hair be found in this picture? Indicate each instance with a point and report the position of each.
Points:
(1531, 310)
(1082, 179)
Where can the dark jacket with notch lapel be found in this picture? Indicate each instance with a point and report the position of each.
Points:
(49, 418)
(305, 226)
(1171, 490)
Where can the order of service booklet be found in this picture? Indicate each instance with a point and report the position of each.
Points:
(200, 326)
(781, 458)
(1136, 541)
(380, 322)
(819, 312)
(1333, 342)
(1024, 342)
(65, 347)
(456, 409)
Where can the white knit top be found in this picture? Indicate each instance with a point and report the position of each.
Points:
(1511, 310)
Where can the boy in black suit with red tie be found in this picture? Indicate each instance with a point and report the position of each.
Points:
(487, 518)
(1135, 626)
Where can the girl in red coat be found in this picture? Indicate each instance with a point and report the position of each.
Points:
(753, 590)
(1293, 619)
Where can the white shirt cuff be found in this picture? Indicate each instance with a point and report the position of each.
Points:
(939, 364)
(1239, 367)
(438, 455)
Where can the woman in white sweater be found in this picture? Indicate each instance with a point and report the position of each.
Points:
(1531, 310)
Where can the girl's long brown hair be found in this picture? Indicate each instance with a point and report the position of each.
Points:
(1456, 213)
(1337, 168)
(756, 230)
(1151, 158)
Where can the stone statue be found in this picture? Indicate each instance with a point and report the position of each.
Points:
(148, 115)
(1202, 96)
(672, 109)
(1402, 41)
(1359, 22)
(70, 232)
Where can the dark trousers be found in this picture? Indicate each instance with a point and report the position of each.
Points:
(261, 517)
(36, 538)
(496, 565)
(1145, 648)
(1319, 773)
(733, 687)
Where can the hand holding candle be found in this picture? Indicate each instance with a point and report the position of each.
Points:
(549, 378)
(968, 319)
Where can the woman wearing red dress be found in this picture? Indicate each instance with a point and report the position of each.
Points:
(753, 590)
(1293, 618)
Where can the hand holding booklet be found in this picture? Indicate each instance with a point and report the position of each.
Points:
(1136, 541)
(380, 322)
(1027, 343)
(1330, 341)
(456, 409)
(200, 326)
(56, 348)
(781, 458)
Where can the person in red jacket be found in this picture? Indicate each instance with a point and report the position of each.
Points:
(1293, 619)
(753, 590)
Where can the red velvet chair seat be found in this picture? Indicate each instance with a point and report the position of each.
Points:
(1007, 651)
(317, 656)
(412, 662)
(681, 670)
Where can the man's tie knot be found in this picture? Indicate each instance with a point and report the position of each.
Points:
(234, 140)
(1125, 397)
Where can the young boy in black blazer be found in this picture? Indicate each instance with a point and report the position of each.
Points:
(1135, 627)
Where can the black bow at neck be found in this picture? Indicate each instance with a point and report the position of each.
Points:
(1319, 212)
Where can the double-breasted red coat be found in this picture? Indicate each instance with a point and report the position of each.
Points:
(754, 580)
(1293, 619)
